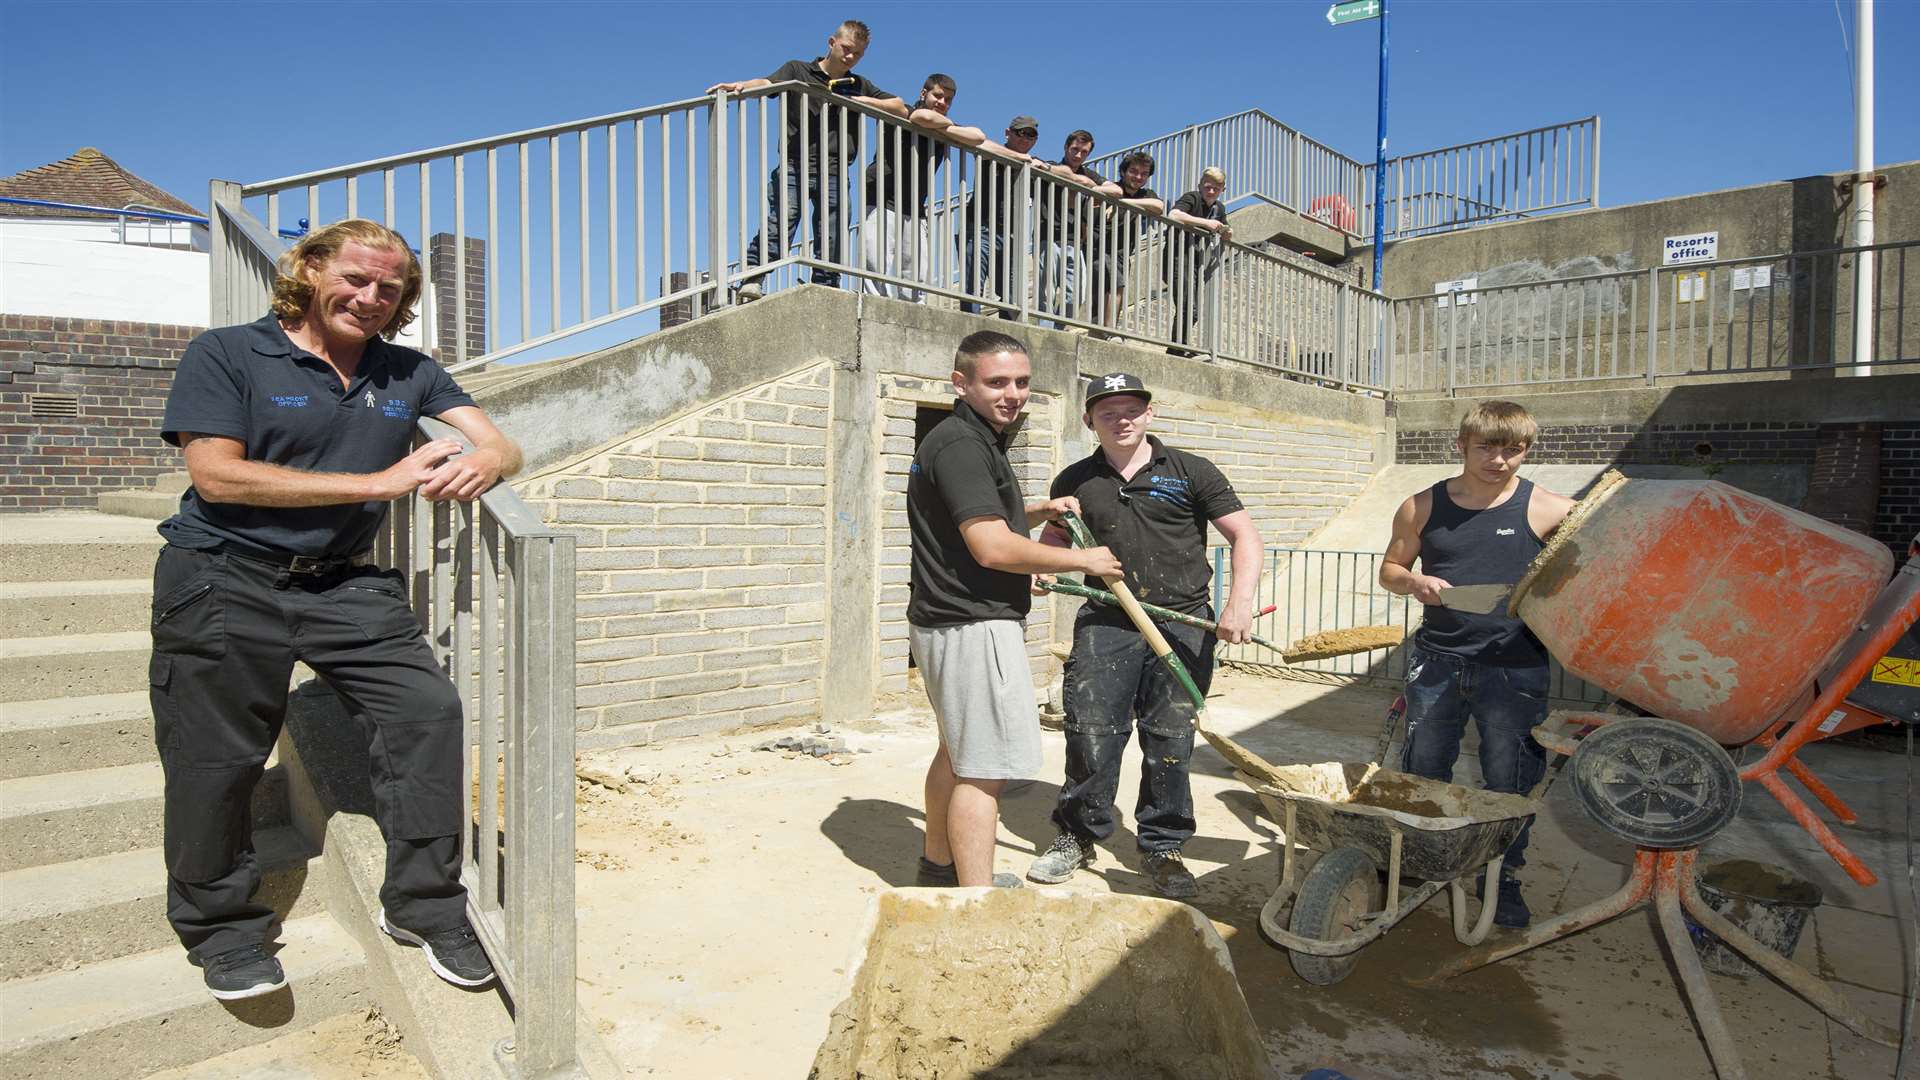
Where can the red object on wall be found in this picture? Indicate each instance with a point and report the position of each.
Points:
(1336, 211)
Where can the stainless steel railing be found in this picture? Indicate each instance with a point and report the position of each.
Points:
(1316, 590)
(1550, 168)
(493, 588)
(607, 220)
(1763, 316)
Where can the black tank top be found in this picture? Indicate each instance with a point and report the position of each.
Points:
(1479, 547)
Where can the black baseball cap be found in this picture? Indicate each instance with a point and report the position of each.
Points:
(1104, 386)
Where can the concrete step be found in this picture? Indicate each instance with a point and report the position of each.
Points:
(76, 547)
(77, 815)
(54, 735)
(43, 608)
(62, 915)
(151, 505)
(65, 664)
(137, 1014)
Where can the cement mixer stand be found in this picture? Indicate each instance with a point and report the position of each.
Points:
(1669, 788)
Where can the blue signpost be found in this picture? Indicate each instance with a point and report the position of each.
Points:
(1359, 11)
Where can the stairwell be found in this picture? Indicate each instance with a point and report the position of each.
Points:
(92, 980)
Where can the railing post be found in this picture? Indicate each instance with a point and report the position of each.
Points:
(1192, 174)
(1593, 162)
(1211, 286)
(1453, 343)
(1342, 351)
(1653, 323)
(717, 188)
(222, 265)
(1022, 240)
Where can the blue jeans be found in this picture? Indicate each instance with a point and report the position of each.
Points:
(1057, 297)
(826, 219)
(1506, 703)
(985, 257)
(1114, 681)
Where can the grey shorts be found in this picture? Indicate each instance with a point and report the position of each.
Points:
(981, 689)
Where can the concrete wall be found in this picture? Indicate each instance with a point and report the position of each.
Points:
(1806, 214)
(737, 486)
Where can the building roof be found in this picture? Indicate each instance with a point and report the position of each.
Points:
(90, 178)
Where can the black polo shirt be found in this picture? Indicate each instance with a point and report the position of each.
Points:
(907, 158)
(1156, 524)
(819, 134)
(253, 384)
(1069, 195)
(959, 473)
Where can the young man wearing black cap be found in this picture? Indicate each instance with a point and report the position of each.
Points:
(1151, 505)
(971, 561)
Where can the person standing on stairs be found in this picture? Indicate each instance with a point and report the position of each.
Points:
(815, 163)
(1151, 504)
(1481, 527)
(969, 601)
(297, 430)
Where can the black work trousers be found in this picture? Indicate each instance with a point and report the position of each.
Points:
(1113, 682)
(226, 633)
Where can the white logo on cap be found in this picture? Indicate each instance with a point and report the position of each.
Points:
(1116, 382)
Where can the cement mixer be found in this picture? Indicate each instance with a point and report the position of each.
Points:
(1731, 620)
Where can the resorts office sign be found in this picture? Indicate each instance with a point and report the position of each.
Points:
(1698, 247)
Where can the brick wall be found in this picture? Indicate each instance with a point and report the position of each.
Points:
(1032, 453)
(1898, 517)
(702, 566)
(1293, 473)
(443, 268)
(1656, 444)
(116, 375)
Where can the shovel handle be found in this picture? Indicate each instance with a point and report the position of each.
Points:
(1155, 639)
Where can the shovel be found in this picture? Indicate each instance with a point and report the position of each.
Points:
(1243, 759)
(1317, 647)
(1477, 599)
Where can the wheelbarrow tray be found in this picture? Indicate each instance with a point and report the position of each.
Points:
(1446, 830)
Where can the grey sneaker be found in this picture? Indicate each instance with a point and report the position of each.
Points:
(454, 955)
(242, 972)
(1057, 863)
(932, 875)
(1170, 875)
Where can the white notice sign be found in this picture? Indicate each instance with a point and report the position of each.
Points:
(1699, 247)
(1752, 277)
(1445, 289)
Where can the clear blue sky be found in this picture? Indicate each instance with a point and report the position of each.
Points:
(1693, 96)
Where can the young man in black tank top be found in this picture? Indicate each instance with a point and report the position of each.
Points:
(1479, 528)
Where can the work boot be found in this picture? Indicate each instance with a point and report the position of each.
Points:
(454, 955)
(933, 875)
(1509, 908)
(1058, 862)
(747, 292)
(242, 972)
(1171, 878)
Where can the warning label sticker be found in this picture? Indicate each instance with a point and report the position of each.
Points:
(1896, 670)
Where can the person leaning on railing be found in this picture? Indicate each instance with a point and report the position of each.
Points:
(825, 162)
(987, 250)
(1123, 231)
(1186, 278)
(297, 431)
(1061, 245)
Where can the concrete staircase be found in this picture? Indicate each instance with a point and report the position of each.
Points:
(92, 980)
(156, 503)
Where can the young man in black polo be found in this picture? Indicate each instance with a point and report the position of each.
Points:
(1202, 209)
(1122, 235)
(987, 248)
(1151, 504)
(825, 162)
(1061, 246)
(297, 431)
(970, 596)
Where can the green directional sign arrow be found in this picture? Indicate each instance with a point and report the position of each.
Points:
(1353, 11)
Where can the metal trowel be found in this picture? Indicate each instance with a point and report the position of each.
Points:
(1477, 599)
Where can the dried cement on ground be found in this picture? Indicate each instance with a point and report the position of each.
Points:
(1332, 643)
(959, 985)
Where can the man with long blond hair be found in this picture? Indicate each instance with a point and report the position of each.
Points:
(298, 430)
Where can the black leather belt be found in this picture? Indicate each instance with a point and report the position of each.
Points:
(297, 564)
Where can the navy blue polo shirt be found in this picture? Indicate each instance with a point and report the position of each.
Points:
(253, 384)
(1156, 524)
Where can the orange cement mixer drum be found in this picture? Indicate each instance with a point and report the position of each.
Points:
(1698, 601)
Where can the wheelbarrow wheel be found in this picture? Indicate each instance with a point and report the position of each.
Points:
(1341, 890)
